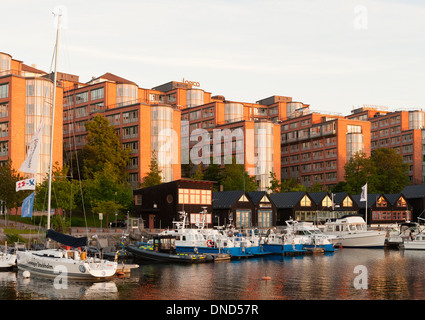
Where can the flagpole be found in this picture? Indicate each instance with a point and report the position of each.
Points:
(52, 125)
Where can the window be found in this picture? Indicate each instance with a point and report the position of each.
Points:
(347, 202)
(264, 218)
(82, 97)
(243, 218)
(401, 202)
(4, 90)
(96, 94)
(130, 132)
(4, 110)
(327, 202)
(4, 129)
(305, 202)
(4, 148)
(381, 202)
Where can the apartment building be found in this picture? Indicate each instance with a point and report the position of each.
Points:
(26, 98)
(315, 147)
(143, 120)
(223, 129)
(401, 130)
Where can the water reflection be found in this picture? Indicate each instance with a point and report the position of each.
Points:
(391, 275)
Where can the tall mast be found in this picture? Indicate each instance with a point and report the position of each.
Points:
(52, 125)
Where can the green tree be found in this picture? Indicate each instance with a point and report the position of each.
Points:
(390, 172)
(275, 185)
(213, 172)
(106, 193)
(8, 177)
(358, 171)
(236, 178)
(63, 191)
(153, 177)
(199, 175)
(103, 146)
(291, 185)
(384, 171)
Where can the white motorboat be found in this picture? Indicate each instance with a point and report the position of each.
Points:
(310, 235)
(204, 240)
(279, 243)
(352, 232)
(415, 243)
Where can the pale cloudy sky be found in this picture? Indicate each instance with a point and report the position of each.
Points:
(331, 54)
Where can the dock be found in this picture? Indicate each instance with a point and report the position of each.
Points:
(126, 268)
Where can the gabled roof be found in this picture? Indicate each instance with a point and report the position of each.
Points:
(226, 199)
(371, 199)
(393, 197)
(318, 197)
(114, 78)
(28, 68)
(340, 196)
(287, 199)
(256, 196)
(413, 192)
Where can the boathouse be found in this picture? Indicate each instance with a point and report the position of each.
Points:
(344, 204)
(233, 208)
(162, 204)
(293, 205)
(384, 209)
(415, 196)
(244, 209)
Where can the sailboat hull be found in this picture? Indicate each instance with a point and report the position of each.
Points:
(43, 263)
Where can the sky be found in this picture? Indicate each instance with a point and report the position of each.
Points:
(335, 55)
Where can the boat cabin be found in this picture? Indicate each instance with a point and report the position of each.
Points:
(164, 244)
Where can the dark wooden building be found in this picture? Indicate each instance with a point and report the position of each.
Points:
(384, 209)
(244, 209)
(160, 205)
(415, 196)
(293, 205)
(344, 204)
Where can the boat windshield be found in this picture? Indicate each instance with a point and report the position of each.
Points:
(357, 227)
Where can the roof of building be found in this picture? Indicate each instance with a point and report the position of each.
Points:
(114, 78)
(318, 197)
(287, 199)
(340, 196)
(393, 197)
(226, 199)
(28, 68)
(371, 199)
(256, 196)
(412, 192)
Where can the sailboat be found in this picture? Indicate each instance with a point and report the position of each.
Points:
(69, 261)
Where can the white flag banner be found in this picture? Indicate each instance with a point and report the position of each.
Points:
(30, 165)
(363, 196)
(26, 184)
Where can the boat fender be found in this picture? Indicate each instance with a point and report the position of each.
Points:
(83, 256)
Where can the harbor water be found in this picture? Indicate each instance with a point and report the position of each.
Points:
(347, 274)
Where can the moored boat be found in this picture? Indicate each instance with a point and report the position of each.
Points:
(280, 243)
(163, 249)
(310, 235)
(69, 262)
(7, 259)
(352, 232)
(416, 242)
